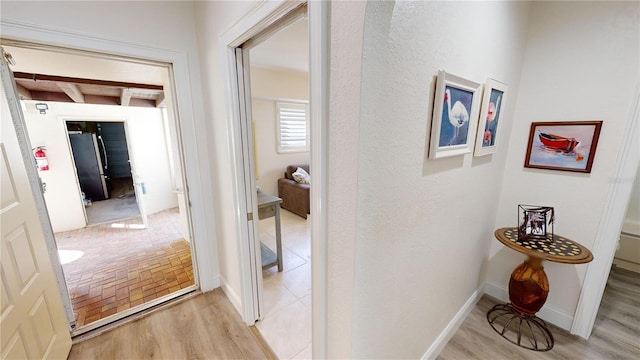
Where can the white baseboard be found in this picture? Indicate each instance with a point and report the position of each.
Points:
(453, 326)
(497, 291)
(548, 313)
(631, 226)
(233, 297)
(213, 282)
(216, 282)
(627, 265)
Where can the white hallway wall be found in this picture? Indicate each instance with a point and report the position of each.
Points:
(170, 30)
(345, 63)
(422, 227)
(213, 19)
(147, 143)
(267, 87)
(414, 264)
(581, 63)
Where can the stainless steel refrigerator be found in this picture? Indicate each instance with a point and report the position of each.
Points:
(89, 166)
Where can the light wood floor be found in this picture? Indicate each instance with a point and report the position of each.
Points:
(616, 333)
(205, 327)
(208, 326)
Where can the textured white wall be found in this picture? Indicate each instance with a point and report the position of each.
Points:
(347, 30)
(213, 18)
(172, 22)
(422, 227)
(267, 87)
(581, 63)
(147, 147)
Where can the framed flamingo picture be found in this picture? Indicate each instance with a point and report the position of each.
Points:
(455, 116)
(490, 117)
(563, 145)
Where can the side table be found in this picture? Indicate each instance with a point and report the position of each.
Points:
(268, 206)
(529, 287)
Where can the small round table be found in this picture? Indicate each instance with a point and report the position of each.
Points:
(529, 287)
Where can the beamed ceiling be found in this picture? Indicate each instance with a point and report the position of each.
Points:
(42, 87)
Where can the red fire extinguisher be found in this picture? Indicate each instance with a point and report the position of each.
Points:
(41, 159)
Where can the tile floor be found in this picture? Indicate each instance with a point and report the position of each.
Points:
(286, 325)
(113, 267)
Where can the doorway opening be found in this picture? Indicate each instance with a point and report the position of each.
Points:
(620, 302)
(114, 186)
(103, 167)
(273, 84)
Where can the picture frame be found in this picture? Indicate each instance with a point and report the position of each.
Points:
(535, 223)
(455, 116)
(563, 145)
(493, 100)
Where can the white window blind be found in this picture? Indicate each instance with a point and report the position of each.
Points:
(293, 127)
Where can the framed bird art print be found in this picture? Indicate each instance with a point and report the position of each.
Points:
(493, 100)
(455, 116)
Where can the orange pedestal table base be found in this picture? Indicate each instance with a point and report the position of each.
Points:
(516, 321)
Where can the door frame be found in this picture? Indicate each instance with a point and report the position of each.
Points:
(608, 232)
(196, 174)
(251, 25)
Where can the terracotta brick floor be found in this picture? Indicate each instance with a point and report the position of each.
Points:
(123, 266)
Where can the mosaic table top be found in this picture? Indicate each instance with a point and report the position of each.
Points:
(560, 250)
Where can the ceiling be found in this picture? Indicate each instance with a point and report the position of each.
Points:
(65, 76)
(287, 49)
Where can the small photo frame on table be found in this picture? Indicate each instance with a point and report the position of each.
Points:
(455, 116)
(490, 117)
(563, 145)
(535, 223)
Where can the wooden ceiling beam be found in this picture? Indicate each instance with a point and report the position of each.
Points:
(160, 101)
(125, 97)
(36, 77)
(24, 93)
(72, 91)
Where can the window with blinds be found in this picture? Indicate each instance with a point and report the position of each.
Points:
(293, 127)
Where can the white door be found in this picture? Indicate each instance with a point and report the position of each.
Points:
(138, 182)
(32, 319)
(244, 96)
(140, 189)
